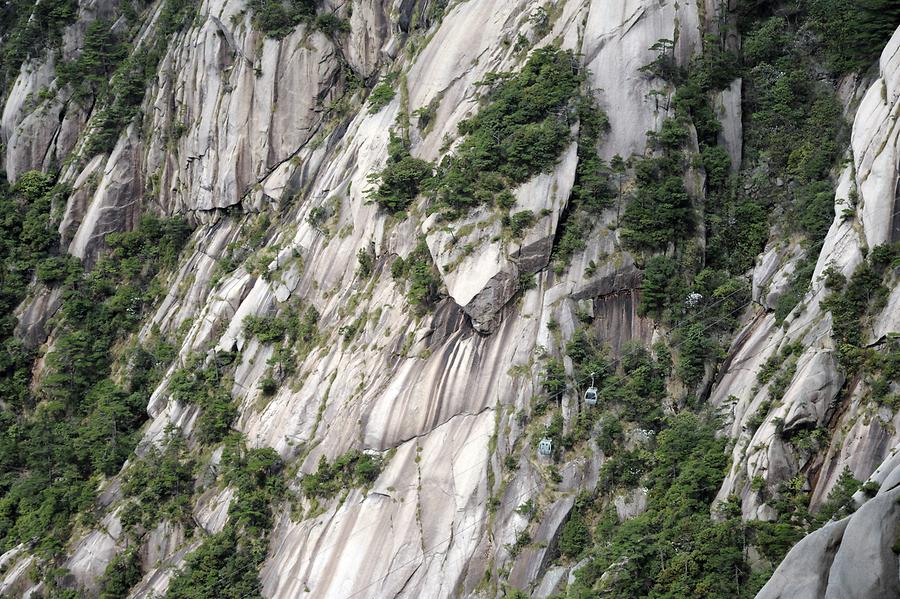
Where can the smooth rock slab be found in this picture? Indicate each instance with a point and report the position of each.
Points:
(803, 574)
(865, 567)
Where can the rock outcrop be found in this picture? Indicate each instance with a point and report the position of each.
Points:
(241, 131)
(850, 558)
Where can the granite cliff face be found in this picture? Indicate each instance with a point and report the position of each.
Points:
(240, 132)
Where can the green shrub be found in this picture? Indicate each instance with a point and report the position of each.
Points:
(122, 573)
(671, 136)
(277, 18)
(610, 435)
(774, 539)
(205, 388)
(225, 566)
(553, 377)
(659, 275)
(520, 222)
(717, 164)
(381, 96)
(90, 71)
(575, 537)
(695, 348)
(159, 486)
(257, 477)
(659, 213)
(854, 32)
(331, 24)
(119, 101)
(35, 27)
(351, 469)
(622, 471)
(268, 386)
(815, 209)
(884, 256)
(402, 178)
(519, 132)
(591, 191)
(265, 328)
(365, 262)
(419, 272)
(849, 305)
(296, 327)
(664, 66)
(57, 269)
(766, 43)
(214, 422)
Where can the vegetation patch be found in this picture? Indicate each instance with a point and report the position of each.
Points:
(30, 29)
(120, 95)
(382, 94)
(226, 565)
(402, 179)
(591, 192)
(205, 386)
(420, 275)
(351, 469)
(159, 486)
(80, 425)
(521, 130)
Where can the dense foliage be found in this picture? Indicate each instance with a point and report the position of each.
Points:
(402, 178)
(793, 126)
(30, 29)
(793, 132)
(349, 470)
(520, 130)
(120, 100)
(591, 192)
(849, 33)
(419, 274)
(28, 240)
(79, 424)
(158, 486)
(122, 573)
(204, 385)
(673, 549)
(381, 95)
(227, 563)
(278, 18)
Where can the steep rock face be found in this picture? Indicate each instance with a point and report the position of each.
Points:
(862, 435)
(41, 132)
(253, 130)
(852, 557)
(236, 123)
(240, 105)
(115, 205)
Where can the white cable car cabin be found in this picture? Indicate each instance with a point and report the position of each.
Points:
(590, 396)
(545, 447)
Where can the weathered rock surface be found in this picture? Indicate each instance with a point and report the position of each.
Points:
(860, 436)
(852, 558)
(237, 124)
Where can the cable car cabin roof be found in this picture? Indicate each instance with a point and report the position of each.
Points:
(545, 447)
